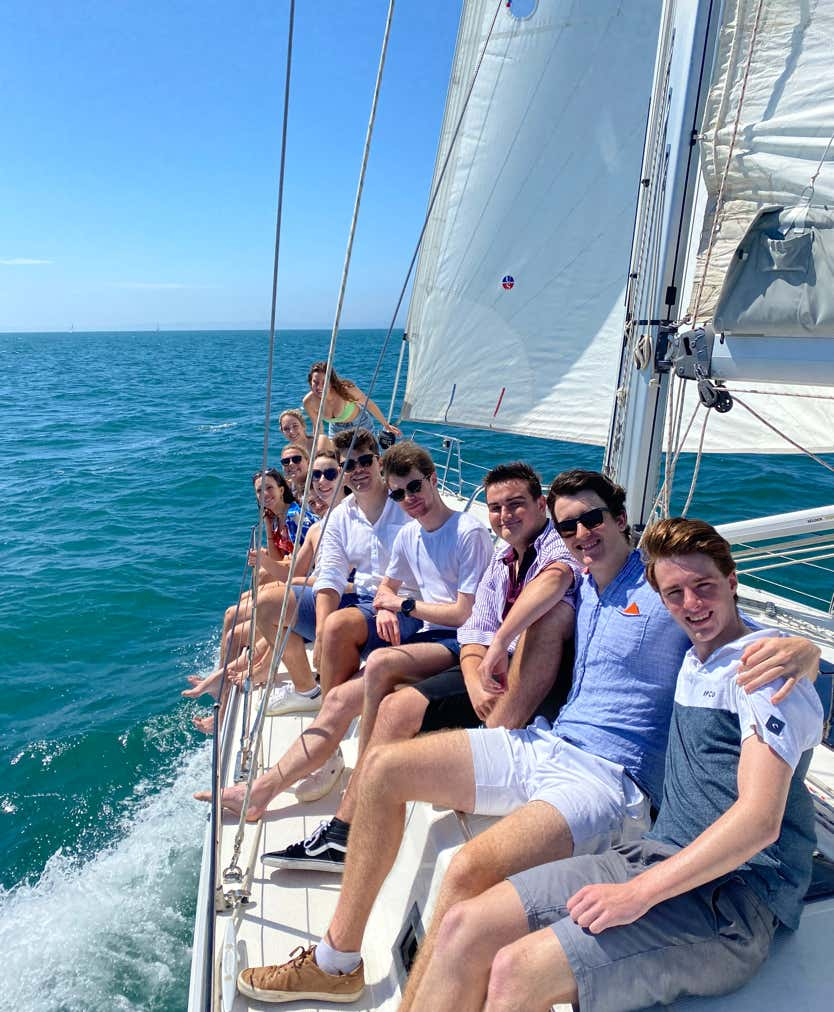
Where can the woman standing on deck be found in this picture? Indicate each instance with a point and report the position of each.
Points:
(344, 405)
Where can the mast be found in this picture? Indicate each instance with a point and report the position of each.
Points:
(655, 297)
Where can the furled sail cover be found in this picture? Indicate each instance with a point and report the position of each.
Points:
(517, 314)
(785, 128)
(783, 142)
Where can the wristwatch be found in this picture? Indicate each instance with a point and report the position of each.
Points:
(407, 605)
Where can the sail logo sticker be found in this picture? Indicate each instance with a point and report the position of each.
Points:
(507, 282)
(632, 609)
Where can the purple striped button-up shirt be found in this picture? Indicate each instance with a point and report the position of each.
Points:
(491, 595)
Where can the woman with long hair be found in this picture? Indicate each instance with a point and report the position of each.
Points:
(344, 405)
(324, 482)
(283, 517)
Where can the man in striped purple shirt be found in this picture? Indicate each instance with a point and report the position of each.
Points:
(527, 589)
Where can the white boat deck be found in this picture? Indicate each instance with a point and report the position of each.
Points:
(290, 909)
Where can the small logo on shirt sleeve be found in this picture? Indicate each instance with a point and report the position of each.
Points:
(774, 725)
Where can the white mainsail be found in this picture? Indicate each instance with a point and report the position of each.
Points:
(517, 313)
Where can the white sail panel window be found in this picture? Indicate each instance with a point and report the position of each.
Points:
(517, 314)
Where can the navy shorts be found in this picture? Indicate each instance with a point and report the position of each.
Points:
(305, 619)
(445, 637)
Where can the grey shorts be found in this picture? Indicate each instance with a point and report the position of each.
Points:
(708, 941)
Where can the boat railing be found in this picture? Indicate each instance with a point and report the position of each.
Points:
(791, 553)
(455, 474)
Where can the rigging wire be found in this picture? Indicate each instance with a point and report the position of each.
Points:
(695, 471)
(430, 208)
(276, 656)
(271, 351)
(782, 435)
(278, 651)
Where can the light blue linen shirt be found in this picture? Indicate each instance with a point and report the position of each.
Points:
(628, 653)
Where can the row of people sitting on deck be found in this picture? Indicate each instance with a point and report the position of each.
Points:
(513, 926)
(344, 408)
(280, 493)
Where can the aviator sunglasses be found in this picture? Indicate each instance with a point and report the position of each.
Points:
(363, 460)
(412, 488)
(589, 520)
(328, 473)
(296, 458)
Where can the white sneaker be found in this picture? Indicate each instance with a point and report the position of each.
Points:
(284, 699)
(317, 784)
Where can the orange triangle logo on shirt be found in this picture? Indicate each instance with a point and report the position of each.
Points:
(632, 609)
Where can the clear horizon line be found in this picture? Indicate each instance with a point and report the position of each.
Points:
(190, 327)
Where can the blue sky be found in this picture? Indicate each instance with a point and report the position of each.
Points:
(141, 141)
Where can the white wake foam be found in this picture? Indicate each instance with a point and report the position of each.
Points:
(112, 932)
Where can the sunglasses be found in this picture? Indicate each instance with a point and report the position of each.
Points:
(589, 520)
(296, 458)
(329, 474)
(412, 488)
(363, 460)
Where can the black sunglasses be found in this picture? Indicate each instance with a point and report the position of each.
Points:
(296, 458)
(363, 460)
(329, 473)
(412, 488)
(589, 520)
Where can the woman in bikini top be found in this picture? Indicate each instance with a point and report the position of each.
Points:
(344, 405)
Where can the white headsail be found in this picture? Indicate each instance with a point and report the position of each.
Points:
(517, 314)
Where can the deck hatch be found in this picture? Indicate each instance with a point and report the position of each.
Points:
(408, 941)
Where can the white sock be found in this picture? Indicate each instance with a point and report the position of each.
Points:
(332, 961)
(310, 693)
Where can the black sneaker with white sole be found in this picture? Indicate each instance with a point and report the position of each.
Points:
(323, 850)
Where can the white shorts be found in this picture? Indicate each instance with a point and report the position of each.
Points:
(601, 804)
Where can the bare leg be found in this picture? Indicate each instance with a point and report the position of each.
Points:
(295, 654)
(307, 753)
(208, 684)
(297, 665)
(345, 633)
(532, 835)
(531, 975)
(469, 938)
(436, 768)
(400, 718)
(391, 666)
(534, 667)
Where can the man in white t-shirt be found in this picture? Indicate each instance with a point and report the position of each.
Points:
(441, 552)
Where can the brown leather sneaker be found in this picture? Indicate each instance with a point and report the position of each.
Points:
(300, 977)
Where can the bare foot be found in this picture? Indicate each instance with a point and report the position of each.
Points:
(232, 800)
(204, 685)
(194, 679)
(204, 724)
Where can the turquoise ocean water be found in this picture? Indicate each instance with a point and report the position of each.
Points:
(126, 505)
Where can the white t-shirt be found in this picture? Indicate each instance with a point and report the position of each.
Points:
(444, 562)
